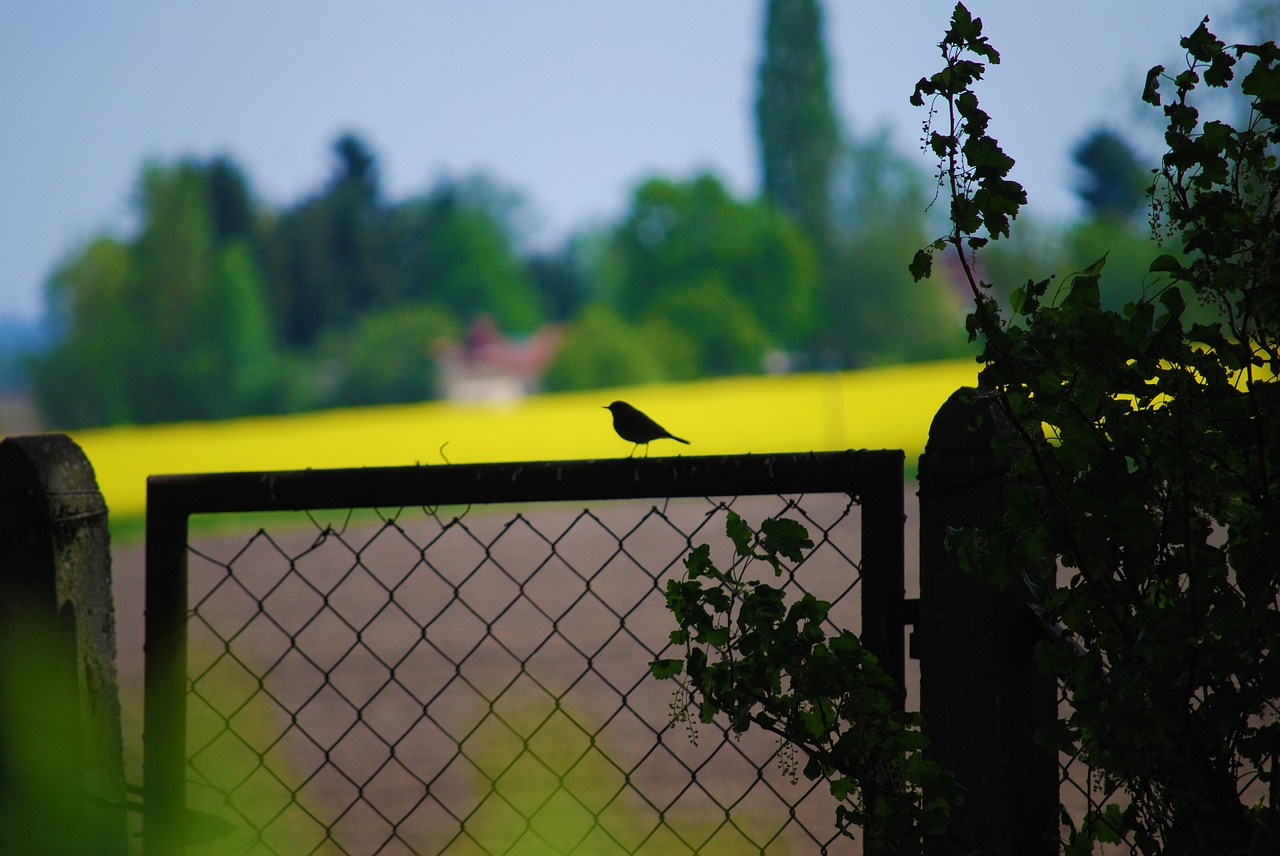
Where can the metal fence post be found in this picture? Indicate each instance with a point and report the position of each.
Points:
(164, 736)
(61, 756)
(981, 696)
(883, 575)
(883, 590)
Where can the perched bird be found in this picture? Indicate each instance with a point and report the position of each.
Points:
(634, 426)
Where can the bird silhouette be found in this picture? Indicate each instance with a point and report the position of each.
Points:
(635, 427)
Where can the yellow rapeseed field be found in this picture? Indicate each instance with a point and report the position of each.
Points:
(883, 408)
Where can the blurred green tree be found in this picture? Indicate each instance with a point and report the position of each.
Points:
(387, 356)
(469, 263)
(796, 124)
(860, 203)
(327, 257)
(681, 241)
(173, 264)
(237, 361)
(600, 349)
(231, 205)
(173, 325)
(1113, 181)
(561, 279)
(82, 380)
(872, 311)
(723, 334)
(455, 246)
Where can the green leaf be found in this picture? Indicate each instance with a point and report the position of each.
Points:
(740, 533)
(841, 788)
(923, 88)
(664, 669)
(716, 637)
(786, 536)
(1202, 44)
(1018, 300)
(1172, 300)
(1108, 825)
(1151, 90)
(1095, 269)
(698, 562)
(1263, 82)
(921, 266)
(942, 145)
(1084, 293)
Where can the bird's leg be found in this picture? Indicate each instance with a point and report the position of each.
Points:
(633, 450)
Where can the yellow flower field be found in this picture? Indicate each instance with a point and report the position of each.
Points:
(883, 408)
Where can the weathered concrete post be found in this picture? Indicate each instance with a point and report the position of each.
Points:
(61, 758)
(981, 696)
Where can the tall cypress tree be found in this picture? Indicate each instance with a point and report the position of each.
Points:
(795, 121)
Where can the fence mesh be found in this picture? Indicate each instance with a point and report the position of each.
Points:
(1085, 794)
(477, 682)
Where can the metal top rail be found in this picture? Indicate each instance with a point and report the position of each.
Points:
(540, 481)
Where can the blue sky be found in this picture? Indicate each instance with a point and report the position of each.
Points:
(569, 102)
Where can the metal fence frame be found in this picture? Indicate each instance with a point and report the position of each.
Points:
(874, 478)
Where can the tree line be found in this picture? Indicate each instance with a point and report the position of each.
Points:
(220, 306)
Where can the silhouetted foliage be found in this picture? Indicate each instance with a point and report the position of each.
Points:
(1146, 459)
(755, 660)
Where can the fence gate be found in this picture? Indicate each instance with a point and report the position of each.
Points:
(454, 659)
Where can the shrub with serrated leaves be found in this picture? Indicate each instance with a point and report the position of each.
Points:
(757, 660)
(1146, 457)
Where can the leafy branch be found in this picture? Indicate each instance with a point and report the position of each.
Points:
(755, 660)
(973, 166)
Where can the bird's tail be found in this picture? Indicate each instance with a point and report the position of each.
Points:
(678, 439)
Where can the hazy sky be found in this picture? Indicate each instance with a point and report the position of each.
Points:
(568, 101)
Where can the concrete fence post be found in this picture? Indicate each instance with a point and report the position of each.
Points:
(981, 696)
(61, 759)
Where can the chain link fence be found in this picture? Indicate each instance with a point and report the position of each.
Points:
(475, 680)
(1085, 794)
